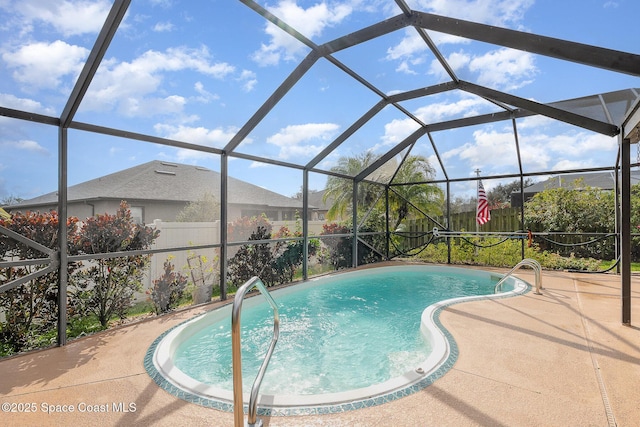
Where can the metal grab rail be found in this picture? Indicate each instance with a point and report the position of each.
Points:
(236, 354)
(535, 265)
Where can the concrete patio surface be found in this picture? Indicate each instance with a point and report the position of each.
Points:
(562, 358)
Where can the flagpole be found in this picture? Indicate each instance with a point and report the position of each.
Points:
(477, 171)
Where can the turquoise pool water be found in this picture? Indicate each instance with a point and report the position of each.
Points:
(338, 333)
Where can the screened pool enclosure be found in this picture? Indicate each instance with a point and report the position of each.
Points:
(375, 178)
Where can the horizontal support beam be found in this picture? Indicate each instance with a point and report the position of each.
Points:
(542, 109)
(608, 59)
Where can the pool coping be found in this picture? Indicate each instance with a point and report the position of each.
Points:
(438, 363)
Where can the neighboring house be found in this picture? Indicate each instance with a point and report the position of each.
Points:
(160, 190)
(319, 212)
(602, 180)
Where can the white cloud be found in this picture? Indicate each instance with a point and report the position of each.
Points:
(404, 67)
(248, 80)
(12, 101)
(44, 65)
(495, 151)
(534, 122)
(148, 107)
(502, 13)
(504, 68)
(25, 145)
(183, 155)
(479, 152)
(162, 3)
(204, 95)
(218, 137)
(291, 139)
(572, 164)
(70, 18)
(410, 45)
(493, 12)
(456, 60)
(437, 112)
(597, 142)
(267, 55)
(163, 27)
(577, 144)
(413, 50)
(311, 22)
(130, 86)
(259, 165)
(397, 130)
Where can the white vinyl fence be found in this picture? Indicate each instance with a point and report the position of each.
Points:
(193, 234)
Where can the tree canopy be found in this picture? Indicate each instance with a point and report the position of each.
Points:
(205, 209)
(410, 195)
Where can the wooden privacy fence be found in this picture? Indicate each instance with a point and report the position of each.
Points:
(507, 219)
(416, 230)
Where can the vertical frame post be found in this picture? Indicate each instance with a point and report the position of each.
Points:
(448, 221)
(354, 218)
(625, 229)
(224, 172)
(305, 224)
(63, 261)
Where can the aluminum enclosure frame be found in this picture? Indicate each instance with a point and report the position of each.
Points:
(511, 108)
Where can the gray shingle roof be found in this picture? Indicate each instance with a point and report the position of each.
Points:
(603, 180)
(165, 181)
(316, 200)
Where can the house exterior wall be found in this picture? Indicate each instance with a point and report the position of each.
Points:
(152, 210)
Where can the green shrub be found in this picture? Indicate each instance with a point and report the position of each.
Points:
(253, 260)
(106, 286)
(498, 252)
(29, 309)
(168, 289)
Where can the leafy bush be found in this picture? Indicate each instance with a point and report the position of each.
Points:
(205, 209)
(275, 262)
(251, 259)
(289, 255)
(106, 286)
(573, 210)
(340, 249)
(167, 289)
(498, 253)
(31, 308)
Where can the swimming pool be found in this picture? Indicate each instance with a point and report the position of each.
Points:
(346, 340)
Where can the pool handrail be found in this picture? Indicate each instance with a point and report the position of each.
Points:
(236, 353)
(535, 265)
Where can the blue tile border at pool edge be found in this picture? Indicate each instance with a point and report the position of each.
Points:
(326, 409)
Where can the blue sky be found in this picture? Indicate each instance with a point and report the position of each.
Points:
(196, 71)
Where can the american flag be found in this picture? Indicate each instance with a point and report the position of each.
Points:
(483, 215)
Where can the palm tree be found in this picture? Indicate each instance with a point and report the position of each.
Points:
(427, 198)
(340, 190)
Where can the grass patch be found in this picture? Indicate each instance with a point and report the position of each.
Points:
(635, 266)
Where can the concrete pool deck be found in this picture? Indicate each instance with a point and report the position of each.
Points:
(557, 359)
